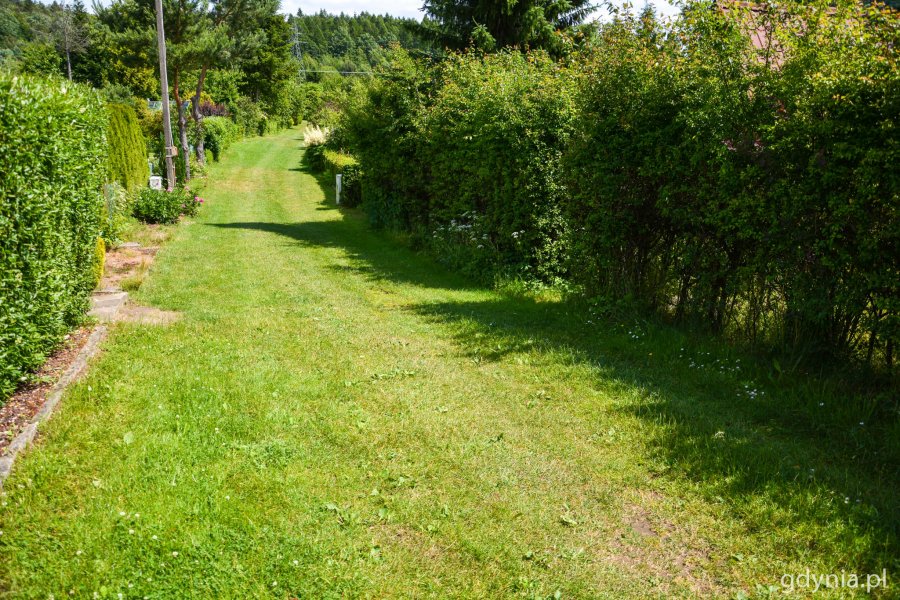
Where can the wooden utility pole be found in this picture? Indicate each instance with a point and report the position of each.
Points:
(164, 84)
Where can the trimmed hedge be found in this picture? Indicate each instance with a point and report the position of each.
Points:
(127, 148)
(53, 164)
(338, 162)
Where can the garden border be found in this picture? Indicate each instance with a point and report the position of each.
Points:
(72, 373)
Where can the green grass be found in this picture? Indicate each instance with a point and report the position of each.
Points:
(337, 416)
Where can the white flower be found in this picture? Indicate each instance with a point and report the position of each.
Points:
(175, 553)
(131, 531)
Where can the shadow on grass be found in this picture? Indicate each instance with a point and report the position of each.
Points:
(763, 455)
(373, 255)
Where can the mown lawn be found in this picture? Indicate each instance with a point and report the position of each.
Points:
(338, 416)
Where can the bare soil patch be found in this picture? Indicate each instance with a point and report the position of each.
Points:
(27, 401)
(126, 263)
(647, 545)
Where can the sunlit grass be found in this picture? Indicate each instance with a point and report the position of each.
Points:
(338, 416)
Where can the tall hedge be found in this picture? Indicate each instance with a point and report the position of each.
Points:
(687, 168)
(53, 164)
(749, 187)
(127, 148)
(467, 157)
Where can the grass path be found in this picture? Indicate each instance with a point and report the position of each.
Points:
(337, 416)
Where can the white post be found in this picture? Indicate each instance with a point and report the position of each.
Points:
(337, 188)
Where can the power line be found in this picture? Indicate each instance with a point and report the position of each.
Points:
(339, 72)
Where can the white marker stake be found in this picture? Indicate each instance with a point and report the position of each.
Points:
(337, 188)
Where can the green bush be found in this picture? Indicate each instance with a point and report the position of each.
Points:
(114, 213)
(190, 203)
(53, 163)
(127, 148)
(351, 183)
(751, 189)
(160, 206)
(339, 162)
(387, 137)
(249, 117)
(99, 260)
(481, 137)
(218, 134)
(680, 169)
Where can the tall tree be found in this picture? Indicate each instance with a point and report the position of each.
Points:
(493, 24)
(187, 33)
(70, 31)
(236, 28)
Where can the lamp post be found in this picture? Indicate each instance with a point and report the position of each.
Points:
(164, 84)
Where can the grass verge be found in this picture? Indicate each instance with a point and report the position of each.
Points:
(335, 415)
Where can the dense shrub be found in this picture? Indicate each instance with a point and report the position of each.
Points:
(495, 135)
(114, 213)
(219, 133)
(315, 140)
(53, 163)
(190, 203)
(387, 136)
(335, 162)
(747, 188)
(339, 162)
(127, 148)
(487, 146)
(99, 263)
(162, 206)
(249, 117)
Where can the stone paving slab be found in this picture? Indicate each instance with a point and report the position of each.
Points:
(105, 306)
